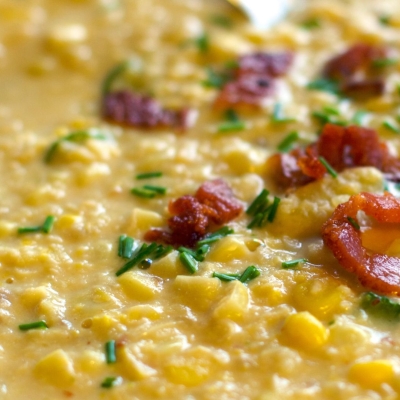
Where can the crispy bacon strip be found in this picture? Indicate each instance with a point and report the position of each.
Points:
(254, 79)
(130, 109)
(356, 72)
(342, 147)
(193, 216)
(375, 271)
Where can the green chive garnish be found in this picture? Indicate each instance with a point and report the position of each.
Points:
(146, 194)
(110, 348)
(189, 262)
(293, 263)
(328, 167)
(222, 21)
(111, 381)
(77, 136)
(203, 43)
(249, 273)
(384, 19)
(202, 251)
(287, 143)
(311, 23)
(324, 85)
(112, 75)
(354, 223)
(126, 246)
(390, 127)
(45, 227)
(156, 189)
(33, 325)
(233, 122)
(226, 277)
(161, 251)
(384, 62)
(277, 115)
(215, 236)
(215, 79)
(144, 251)
(274, 209)
(258, 203)
(359, 117)
(148, 175)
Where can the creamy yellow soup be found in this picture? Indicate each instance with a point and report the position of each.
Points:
(290, 333)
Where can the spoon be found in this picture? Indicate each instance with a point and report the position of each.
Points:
(262, 13)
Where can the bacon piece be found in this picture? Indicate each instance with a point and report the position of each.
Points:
(193, 216)
(374, 271)
(254, 79)
(126, 108)
(342, 147)
(356, 72)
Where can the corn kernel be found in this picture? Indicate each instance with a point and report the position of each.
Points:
(198, 292)
(235, 304)
(168, 266)
(66, 35)
(131, 367)
(56, 369)
(140, 286)
(372, 374)
(142, 220)
(143, 311)
(103, 324)
(91, 361)
(228, 249)
(69, 222)
(31, 297)
(304, 330)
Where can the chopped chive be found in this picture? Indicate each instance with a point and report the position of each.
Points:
(384, 19)
(249, 273)
(215, 236)
(331, 110)
(324, 85)
(231, 115)
(45, 227)
(33, 325)
(215, 79)
(384, 62)
(148, 175)
(359, 117)
(162, 251)
(277, 115)
(328, 167)
(183, 249)
(156, 189)
(202, 251)
(380, 306)
(258, 203)
(146, 194)
(126, 246)
(311, 23)
(48, 224)
(112, 75)
(231, 126)
(139, 255)
(354, 223)
(274, 209)
(76, 136)
(111, 381)
(121, 244)
(189, 262)
(110, 348)
(222, 21)
(293, 263)
(225, 277)
(390, 127)
(202, 42)
(287, 143)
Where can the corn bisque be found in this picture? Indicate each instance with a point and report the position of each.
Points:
(290, 333)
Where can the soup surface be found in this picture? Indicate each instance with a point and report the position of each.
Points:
(85, 312)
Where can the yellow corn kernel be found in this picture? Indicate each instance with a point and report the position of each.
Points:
(198, 292)
(190, 368)
(100, 295)
(240, 160)
(31, 297)
(91, 361)
(131, 367)
(69, 222)
(379, 104)
(168, 266)
(228, 249)
(142, 220)
(273, 294)
(56, 369)
(227, 45)
(372, 374)
(143, 311)
(102, 324)
(140, 286)
(304, 330)
(235, 304)
(7, 228)
(61, 36)
(92, 172)
(321, 297)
